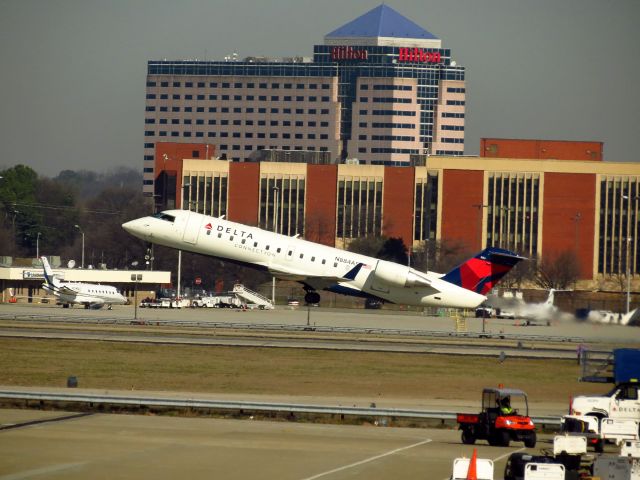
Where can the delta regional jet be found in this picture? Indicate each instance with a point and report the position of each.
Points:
(319, 267)
(88, 294)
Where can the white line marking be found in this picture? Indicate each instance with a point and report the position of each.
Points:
(366, 460)
(42, 471)
(497, 459)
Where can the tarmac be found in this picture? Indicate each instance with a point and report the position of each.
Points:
(134, 446)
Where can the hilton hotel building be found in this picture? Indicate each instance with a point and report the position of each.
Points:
(379, 89)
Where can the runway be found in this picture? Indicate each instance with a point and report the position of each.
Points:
(125, 446)
(300, 316)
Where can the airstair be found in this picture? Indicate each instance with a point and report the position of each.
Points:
(250, 296)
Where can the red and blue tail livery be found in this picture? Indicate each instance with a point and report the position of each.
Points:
(482, 272)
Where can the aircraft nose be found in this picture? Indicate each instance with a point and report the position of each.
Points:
(138, 228)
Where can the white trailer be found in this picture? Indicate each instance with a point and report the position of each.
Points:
(600, 430)
(543, 471)
(616, 468)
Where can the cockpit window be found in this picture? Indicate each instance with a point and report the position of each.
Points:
(165, 217)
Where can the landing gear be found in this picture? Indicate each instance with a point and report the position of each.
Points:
(312, 297)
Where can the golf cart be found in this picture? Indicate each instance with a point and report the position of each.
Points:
(499, 422)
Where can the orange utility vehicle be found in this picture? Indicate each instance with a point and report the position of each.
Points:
(499, 422)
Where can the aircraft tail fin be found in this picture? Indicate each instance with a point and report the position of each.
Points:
(51, 280)
(482, 272)
(550, 298)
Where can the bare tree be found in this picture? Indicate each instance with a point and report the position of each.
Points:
(439, 255)
(560, 271)
(523, 272)
(369, 245)
(318, 228)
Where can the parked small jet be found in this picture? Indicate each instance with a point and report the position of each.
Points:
(319, 267)
(88, 294)
(515, 307)
(539, 311)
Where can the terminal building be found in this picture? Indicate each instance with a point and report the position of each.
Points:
(535, 206)
(380, 89)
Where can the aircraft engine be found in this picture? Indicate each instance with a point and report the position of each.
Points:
(400, 275)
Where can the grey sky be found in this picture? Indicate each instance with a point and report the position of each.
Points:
(73, 71)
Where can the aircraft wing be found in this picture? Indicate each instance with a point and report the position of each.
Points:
(63, 290)
(300, 276)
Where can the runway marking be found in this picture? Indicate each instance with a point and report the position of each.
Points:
(497, 459)
(42, 471)
(29, 423)
(367, 460)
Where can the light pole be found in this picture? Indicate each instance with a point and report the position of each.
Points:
(276, 214)
(81, 233)
(180, 251)
(38, 245)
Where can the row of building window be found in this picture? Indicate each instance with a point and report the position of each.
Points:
(393, 138)
(410, 151)
(456, 102)
(213, 121)
(386, 100)
(452, 140)
(238, 98)
(452, 115)
(311, 136)
(297, 111)
(455, 128)
(387, 125)
(273, 147)
(456, 90)
(298, 86)
(399, 113)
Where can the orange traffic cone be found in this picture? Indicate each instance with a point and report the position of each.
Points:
(472, 473)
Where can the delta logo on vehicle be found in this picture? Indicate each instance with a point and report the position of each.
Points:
(208, 227)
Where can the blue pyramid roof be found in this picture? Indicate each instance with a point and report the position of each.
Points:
(382, 21)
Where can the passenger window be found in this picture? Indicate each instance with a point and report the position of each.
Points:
(335, 264)
(219, 235)
(290, 252)
(267, 247)
(324, 261)
(301, 255)
(278, 249)
(231, 238)
(244, 240)
(255, 244)
(313, 259)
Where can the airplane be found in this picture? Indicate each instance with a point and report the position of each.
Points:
(608, 317)
(88, 294)
(539, 311)
(319, 267)
(516, 308)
